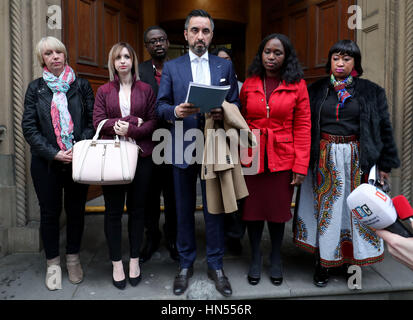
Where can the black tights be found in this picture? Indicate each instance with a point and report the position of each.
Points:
(136, 196)
(255, 229)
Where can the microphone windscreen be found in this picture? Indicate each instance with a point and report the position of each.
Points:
(372, 206)
(403, 207)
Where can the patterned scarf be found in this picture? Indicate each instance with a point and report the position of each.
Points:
(61, 119)
(342, 93)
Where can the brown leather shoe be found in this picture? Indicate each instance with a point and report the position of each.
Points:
(221, 281)
(181, 280)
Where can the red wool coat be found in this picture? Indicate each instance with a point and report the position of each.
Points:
(285, 136)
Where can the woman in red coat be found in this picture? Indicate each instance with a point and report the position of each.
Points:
(129, 106)
(275, 101)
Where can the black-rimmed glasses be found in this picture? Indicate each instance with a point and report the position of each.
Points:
(155, 41)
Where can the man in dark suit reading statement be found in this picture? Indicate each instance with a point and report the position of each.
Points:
(200, 67)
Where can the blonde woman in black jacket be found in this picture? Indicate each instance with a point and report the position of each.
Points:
(351, 132)
(58, 111)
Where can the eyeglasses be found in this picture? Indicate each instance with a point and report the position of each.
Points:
(155, 41)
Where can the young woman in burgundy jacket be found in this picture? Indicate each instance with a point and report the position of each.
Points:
(128, 104)
(275, 100)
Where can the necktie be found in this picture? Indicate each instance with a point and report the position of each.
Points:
(199, 72)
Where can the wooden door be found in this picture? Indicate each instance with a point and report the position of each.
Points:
(313, 27)
(92, 27)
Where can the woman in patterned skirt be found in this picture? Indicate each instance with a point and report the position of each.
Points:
(351, 132)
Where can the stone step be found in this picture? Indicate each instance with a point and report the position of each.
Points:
(22, 275)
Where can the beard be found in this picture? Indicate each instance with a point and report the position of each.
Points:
(159, 56)
(199, 48)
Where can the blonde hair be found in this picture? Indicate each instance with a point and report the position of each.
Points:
(114, 52)
(50, 43)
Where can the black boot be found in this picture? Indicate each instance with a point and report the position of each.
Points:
(150, 247)
(321, 275)
(234, 246)
(277, 235)
(254, 273)
(173, 251)
(255, 229)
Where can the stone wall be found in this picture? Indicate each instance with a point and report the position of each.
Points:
(23, 23)
(386, 42)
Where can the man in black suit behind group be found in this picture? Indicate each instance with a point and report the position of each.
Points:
(150, 71)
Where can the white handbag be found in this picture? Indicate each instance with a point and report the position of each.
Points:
(104, 162)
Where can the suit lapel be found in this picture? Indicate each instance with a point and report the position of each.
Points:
(216, 70)
(149, 75)
(185, 70)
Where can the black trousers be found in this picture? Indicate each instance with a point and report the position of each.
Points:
(234, 226)
(136, 195)
(54, 185)
(161, 182)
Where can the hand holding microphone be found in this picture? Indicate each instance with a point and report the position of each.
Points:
(399, 247)
(374, 208)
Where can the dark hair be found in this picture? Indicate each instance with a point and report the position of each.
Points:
(346, 47)
(291, 71)
(216, 51)
(145, 34)
(198, 13)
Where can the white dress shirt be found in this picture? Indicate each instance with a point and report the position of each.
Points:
(124, 102)
(205, 74)
(125, 106)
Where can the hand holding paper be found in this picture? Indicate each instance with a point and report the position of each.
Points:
(206, 98)
(185, 109)
(217, 114)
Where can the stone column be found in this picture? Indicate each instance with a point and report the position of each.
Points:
(23, 23)
(407, 123)
(7, 184)
(23, 235)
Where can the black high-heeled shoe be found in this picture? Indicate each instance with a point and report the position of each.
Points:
(135, 281)
(119, 284)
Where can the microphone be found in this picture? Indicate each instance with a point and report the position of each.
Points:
(374, 208)
(403, 208)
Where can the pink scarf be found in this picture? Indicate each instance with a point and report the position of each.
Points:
(61, 119)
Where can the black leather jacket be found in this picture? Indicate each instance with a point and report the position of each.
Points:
(377, 145)
(37, 121)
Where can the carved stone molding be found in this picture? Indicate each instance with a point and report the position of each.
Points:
(18, 107)
(407, 145)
